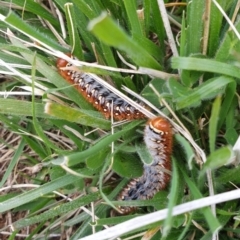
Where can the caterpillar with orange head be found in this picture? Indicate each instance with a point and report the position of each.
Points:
(158, 139)
(99, 96)
(157, 134)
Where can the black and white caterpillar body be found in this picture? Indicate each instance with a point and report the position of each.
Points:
(99, 96)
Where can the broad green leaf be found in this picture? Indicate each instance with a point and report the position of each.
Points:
(127, 165)
(231, 135)
(218, 158)
(144, 154)
(148, 93)
(97, 160)
(176, 88)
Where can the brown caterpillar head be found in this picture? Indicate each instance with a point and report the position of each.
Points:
(160, 125)
(62, 62)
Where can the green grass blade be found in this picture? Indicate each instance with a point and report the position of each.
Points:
(207, 90)
(216, 24)
(15, 159)
(206, 65)
(36, 124)
(54, 77)
(75, 41)
(131, 10)
(86, 118)
(147, 16)
(158, 25)
(30, 31)
(58, 210)
(228, 102)
(110, 33)
(85, 8)
(213, 123)
(75, 158)
(172, 200)
(209, 217)
(190, 155)
(36, 8)
(194, 34)
(34, 144)
(183, 38)
(36, 193)
(21, 108)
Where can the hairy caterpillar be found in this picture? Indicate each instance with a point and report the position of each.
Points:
(99, 96)
(157, 134)
(158, 139)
